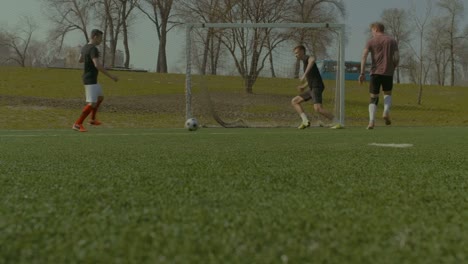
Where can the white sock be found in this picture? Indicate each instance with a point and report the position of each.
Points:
(372, 110)
(387, 104)
(304, 118)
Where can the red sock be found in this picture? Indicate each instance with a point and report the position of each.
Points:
(86, 110)
(95, 109)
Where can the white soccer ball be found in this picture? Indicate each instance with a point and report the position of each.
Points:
(191, 124)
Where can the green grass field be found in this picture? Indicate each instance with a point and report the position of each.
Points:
(234, 196)
(140, 189)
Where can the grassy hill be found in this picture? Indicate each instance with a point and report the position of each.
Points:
(53, 98)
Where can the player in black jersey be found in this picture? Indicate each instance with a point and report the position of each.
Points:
(313, 80)
(92, 66)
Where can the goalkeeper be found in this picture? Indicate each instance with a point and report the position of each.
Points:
(315, 85)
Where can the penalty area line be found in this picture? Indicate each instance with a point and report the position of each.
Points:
(392, 145)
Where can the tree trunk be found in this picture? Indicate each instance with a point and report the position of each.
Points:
(272, 67)
(252, 76)
(420, 68)
(205, 52)
(452, 52)
(398, 75)
(162, 60)
(125, 35)
(214, 70)
(215, 49)
(452, 64)
(248, 83)
(161, 67)
(127, 49)
(112, 41)
(104, 48)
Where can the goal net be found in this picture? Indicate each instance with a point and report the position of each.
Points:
(245, 75)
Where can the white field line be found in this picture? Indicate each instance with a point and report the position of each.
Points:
(391, 145)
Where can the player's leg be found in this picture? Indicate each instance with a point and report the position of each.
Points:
(374, 87)
(322, 111)
(387, 86)
(318, 106)
(91, 99)
(296, 103)
(93, 120)
(373, 102)
(78, 125)
(97, 90)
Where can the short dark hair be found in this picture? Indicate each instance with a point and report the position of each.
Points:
(378, 26)
(300, 47)
(96, 32)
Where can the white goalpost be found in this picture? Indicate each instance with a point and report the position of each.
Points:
(240, 75)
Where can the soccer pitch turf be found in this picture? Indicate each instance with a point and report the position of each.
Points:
(391, 195)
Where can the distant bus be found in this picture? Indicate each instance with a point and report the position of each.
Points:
(352, 70)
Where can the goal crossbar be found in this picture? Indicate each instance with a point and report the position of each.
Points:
(266, 25)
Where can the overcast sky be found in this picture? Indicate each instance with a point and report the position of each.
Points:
(360, 13)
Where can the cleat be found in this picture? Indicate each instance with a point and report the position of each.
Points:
(387, 120)
(337, 126)
(304, 125)
(370, 126)
(94, 122)
(79, 128)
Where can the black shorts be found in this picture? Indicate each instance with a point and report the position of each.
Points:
(313, 93)
(377, 80)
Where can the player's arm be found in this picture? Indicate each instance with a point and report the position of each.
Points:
(81, 59)
(303, 86)
(362, 76)
(101, 68)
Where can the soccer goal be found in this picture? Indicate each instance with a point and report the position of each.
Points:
(245, 75)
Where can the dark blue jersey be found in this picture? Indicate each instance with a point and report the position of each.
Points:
(90, 74)
(313, 77)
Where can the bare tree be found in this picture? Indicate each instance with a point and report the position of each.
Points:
(315, 11)
(159, 12)
(69, 15)
(206, 11)
(111, 24)
(396, 23)
(438, 47)
(40, 53)
(455, 10)
(464, 56)
(421, 26)
(4, 50)
(116, 20)
(249, 47)
(127, 8)
(19, 40)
